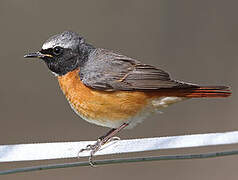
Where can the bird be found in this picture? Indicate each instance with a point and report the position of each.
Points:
(112, 90)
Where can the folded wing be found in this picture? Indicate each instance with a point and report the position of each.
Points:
(109, 71)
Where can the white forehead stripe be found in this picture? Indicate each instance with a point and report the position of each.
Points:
(48, 45)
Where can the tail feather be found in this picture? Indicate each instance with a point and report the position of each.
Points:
(207, 91)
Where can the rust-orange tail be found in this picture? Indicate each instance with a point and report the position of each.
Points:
(207, 91)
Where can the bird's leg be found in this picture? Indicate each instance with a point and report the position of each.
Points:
(109, 136)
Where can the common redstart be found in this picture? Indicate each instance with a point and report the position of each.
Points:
(112, 90)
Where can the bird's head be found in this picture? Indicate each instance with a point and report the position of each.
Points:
(63, 52)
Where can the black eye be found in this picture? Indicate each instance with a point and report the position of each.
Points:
(57, 50)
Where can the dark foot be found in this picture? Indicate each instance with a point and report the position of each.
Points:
(93, 148)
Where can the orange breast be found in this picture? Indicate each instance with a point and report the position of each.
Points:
(101, 105)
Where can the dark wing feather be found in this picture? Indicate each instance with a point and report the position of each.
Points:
(106, 70)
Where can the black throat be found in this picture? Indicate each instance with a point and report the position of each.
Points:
(71, 60)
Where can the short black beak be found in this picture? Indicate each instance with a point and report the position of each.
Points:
(37, 55)
(34, 55)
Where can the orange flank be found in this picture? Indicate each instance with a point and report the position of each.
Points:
(101, 105)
